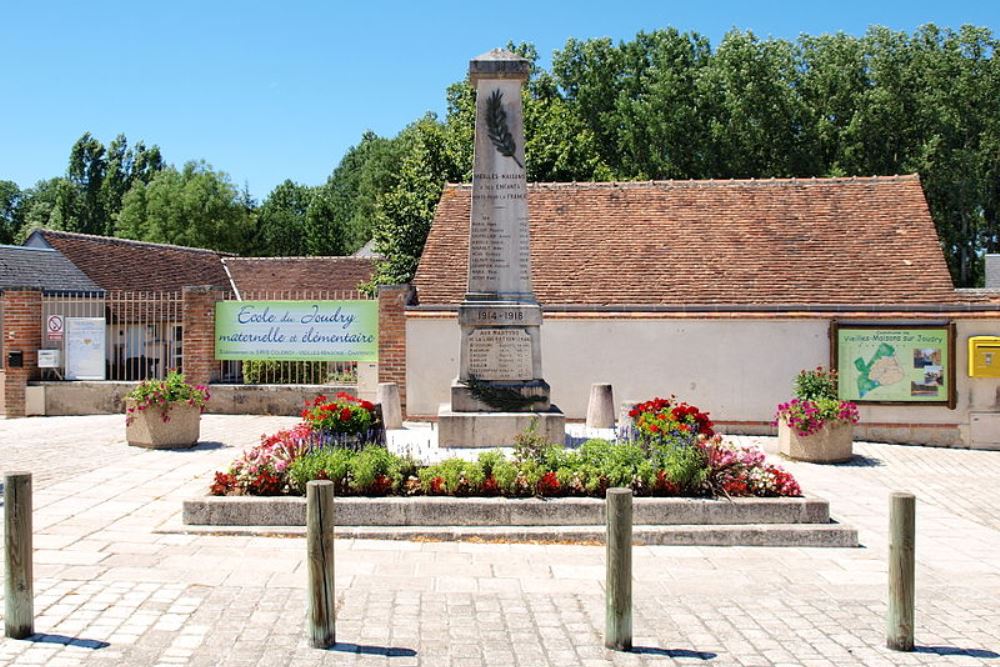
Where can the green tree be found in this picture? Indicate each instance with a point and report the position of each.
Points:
(281, 221)
(403, 214)
(51, 203)
(125, 166)
(341, 219)
(196, 207)
(11, 215)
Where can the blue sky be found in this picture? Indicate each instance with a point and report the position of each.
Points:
(273, 90)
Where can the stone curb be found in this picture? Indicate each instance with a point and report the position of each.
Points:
(445, 511)
(831, 535)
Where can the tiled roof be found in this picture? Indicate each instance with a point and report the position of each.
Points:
(858, 241)
(122, 264)
(297, 275)
(41, 268)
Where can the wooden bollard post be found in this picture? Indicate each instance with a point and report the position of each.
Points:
(618, 583)
(902, 529)
(319, 546)
(19, 597)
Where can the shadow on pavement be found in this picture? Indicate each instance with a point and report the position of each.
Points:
(982, 654)
(384, 651)
(67, 641)
(203, 446)
(674, 652)
(859, 461)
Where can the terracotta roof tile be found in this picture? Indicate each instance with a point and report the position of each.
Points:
(864, 241)
(123, 264)
(275, 275)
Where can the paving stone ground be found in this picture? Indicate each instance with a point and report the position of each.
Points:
(114, 585)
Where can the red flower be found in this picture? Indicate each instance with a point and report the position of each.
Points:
(490, 486)
(437, 485)
(345, 414)
(223, 483)
(548, 485)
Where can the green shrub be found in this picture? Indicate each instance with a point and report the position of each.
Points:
(373, 470)
(816, 384)
(456, 477)
(269, 371)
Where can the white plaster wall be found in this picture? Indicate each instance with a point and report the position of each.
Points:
(738, 370)
(714, 364)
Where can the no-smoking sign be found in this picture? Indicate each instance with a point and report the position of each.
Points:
(54, 327)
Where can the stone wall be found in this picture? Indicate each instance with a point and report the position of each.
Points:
(97, 398)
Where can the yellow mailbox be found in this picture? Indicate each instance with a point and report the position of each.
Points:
(984, 356)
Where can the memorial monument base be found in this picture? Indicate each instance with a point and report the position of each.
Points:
(463, 399)
(496, 429)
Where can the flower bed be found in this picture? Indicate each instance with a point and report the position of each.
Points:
(676, 454)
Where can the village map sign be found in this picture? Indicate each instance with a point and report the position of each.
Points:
(297, 330)
(886, 363)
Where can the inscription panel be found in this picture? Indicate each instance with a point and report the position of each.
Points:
(500, 354)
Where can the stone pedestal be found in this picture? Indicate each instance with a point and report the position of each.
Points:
(496, 429)
(500, 362)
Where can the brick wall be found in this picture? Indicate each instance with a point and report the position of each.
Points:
(199, 364)
(392, 300)
(22, 330)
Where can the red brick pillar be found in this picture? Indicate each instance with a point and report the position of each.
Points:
(392, 300)
(22, 331)
(198, 363)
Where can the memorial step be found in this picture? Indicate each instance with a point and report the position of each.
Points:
(833, 535)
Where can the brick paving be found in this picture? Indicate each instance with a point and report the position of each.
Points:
(116, 584)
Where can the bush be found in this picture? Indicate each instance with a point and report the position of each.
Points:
(816, 384)
(372, 471)
(267, 371)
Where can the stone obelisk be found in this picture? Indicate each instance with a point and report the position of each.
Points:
(500, 389)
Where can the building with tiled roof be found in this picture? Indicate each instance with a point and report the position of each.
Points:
(740, 245)
(42, 268)
(720, 292)
(137, 266)
(323, 277)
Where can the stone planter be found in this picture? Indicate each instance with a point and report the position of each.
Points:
(834, 443)
(149, 430)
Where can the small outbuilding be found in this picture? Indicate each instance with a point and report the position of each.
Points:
(721, 292)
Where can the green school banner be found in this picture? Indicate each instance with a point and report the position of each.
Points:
(297, 330)
(894, 365)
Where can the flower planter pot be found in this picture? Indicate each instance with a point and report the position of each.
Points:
(149, 430)
(834, 443)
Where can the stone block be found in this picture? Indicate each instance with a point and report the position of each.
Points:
(149, 429)
(387, 395)
(833, 443)
(601, 407)
(463, 400)
(556, 512)
(496, 429)
(457, 512)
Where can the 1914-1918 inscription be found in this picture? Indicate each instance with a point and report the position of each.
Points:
(500, 354)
